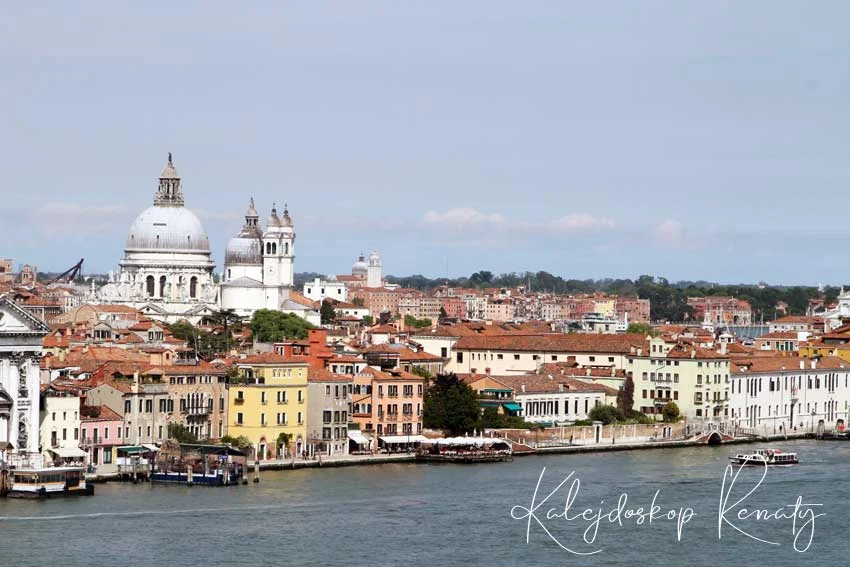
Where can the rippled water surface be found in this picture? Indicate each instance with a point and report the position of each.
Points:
(405, 514)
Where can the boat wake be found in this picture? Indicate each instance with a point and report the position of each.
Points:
(143, 513)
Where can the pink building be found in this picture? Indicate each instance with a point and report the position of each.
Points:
(100, 434)
(388, 403)
(455, 307)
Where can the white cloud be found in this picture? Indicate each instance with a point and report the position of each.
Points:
(669, 232)
(463, 217)
(582, 222)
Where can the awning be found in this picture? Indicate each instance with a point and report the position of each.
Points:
(135, 449)
(69, 452)
(153, 448)
(396, 439)
(512, 406)
(358, 437)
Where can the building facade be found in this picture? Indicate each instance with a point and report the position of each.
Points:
(21, 337)
(270, 399)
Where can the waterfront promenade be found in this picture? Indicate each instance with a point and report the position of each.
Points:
(544, 445)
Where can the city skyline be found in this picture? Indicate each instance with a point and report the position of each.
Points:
(500, 137)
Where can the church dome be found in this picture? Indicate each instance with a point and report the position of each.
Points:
(244, 250)
(359, 267)
(167, 228)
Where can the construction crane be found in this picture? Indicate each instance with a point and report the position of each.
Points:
(70, 274)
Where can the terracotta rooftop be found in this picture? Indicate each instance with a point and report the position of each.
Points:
(575, 342)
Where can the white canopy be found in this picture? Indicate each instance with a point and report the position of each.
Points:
(356, 436)
(69, 452)
(153, 448)
(477, 441)
(403, 439)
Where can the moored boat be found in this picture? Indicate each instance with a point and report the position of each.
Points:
(48, 483)
(465, 450)
(765, 457)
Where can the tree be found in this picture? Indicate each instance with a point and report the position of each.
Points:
(327, 312)
(626, 397)
(283, 440)
(240, 442)
(490, 419)
(411, 321)
(358, 301)
(181, 434)
(606, 414)
(271, 326)
(450, 405)
(368, 320)
(670, 411)
(642, 329)
(421, 371)
(443, 314)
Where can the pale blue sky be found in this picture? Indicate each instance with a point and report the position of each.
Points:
(693, 140)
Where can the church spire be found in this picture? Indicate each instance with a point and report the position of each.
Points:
(169, 192)
(251, 216)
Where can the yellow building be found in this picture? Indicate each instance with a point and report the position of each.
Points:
(832, 344)
(605, 307)
(269, 398)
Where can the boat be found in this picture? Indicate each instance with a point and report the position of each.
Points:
(765, 457)
(210, 465)
(47, 482)
(465, 450)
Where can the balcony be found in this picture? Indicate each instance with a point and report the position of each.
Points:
(239, 401)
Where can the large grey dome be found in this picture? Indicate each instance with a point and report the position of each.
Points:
(168, 228)
(243, 250)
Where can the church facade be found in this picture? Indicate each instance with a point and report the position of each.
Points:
(259, 265)
(167, 268)
(21, 336)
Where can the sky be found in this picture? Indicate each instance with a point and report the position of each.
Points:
(690, 140)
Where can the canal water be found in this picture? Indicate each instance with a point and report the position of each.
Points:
(407, 514)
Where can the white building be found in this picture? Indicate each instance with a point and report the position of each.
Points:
(788, 393)
(60, 427)
(319, 290)
(374, 271)
(167, 268)
(259, 266)
(21, 337)
(554, 399)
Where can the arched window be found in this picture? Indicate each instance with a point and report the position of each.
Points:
(268, 248)
(286, 248)
(149, 282)
(274, 248)
(228, 273)
(193, 287)
(162, 286)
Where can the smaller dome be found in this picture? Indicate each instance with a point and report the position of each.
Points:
(360, 267)
(251, 212)
(274, 220)
(243, 250)
(286, 221)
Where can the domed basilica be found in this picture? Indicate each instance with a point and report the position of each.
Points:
(167, 268)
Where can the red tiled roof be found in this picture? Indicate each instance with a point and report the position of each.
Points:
(322, 375)
(576, 342)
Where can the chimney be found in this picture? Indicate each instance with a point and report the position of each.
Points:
(560, 387)
(802, 364)
(613, 371)
(723, 347)
(523, 388)
(487, 371)
(814, 363)
(587, 371)
(693, 353)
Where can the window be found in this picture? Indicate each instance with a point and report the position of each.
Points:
(444, 352)
(149, 406)
(300, 418)
(592, 358)
(159, 432)
(300, 398)
(105, 433)
(107, 455)
(262, 419)
(328, 391)
(77, 434)
(459, 357)
(239, 420)
(263, 398)
(499, 357)
(610, 359)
